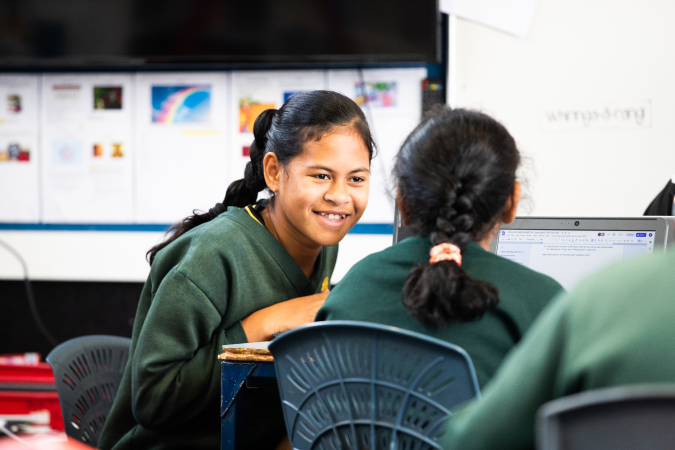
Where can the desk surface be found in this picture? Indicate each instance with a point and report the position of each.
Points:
(246, 354)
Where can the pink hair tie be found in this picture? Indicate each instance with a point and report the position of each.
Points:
(445, 252)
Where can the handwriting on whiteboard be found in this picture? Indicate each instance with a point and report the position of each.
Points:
(626, 115)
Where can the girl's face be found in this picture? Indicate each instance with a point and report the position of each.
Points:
(322, 192)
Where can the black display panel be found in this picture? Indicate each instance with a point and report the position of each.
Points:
(141, 32)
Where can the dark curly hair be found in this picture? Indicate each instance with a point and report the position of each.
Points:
(304, 117)
(454, 174)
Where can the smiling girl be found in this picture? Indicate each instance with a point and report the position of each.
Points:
(240, 273)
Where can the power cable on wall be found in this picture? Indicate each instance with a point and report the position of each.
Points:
(29, 293)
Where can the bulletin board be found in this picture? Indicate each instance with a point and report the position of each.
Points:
(146, 149)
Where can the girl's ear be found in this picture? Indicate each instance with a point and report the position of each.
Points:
(511, 206)
(272, 170)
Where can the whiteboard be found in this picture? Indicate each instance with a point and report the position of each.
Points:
(603, 70)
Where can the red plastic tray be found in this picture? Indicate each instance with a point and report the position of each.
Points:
(26, 389)
(39, 373)
(14, 403)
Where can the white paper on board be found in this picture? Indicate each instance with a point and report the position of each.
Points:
(392, 102)
(510, 16)
(87, 148)
(252, 93)
(19, 122)
(181, 131)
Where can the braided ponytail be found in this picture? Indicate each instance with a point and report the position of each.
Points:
(305, 116)
(455, 173)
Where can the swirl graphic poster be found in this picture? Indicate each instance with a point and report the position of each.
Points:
(181, 104)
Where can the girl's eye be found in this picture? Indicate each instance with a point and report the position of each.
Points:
(322, 176)
(357, 179)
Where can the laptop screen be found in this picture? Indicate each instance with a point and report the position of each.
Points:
(567, 256)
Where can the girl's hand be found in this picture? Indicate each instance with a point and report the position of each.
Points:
(284, 316)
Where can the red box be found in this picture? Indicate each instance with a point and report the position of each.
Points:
(23, 403)
(40, 374)
(27, 389)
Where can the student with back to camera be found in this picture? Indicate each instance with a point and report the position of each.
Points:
(613, 329)
(456, 180)
(242, 272)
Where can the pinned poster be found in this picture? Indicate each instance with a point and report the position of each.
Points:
(87, 148)
(181, 131)
(19, 121)
(254, 92)
(392, 102)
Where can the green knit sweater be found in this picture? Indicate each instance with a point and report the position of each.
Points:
(615, 328)
(371, 292)
(200, 288)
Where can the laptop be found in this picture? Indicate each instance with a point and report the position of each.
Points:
(568, 249)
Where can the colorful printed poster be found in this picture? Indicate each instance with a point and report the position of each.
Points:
(376, 93)
(289, 94)
(108, 97)
(249, 110)
(181, 104)
(14, 103)
(14, 151)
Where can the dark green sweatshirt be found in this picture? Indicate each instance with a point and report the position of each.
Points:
(200, 288)
(615, 328)
(371, 292)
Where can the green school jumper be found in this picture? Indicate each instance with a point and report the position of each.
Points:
(200, 288)
(371, 292)
(615, 328)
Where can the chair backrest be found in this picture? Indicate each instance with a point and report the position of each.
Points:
(617, 418)
(356, 385)
(400, 231)
(88, 371)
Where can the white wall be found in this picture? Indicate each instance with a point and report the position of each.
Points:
(581, 55)
(120, 256)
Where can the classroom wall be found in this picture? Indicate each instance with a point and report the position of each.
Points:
(158, 160)
(588, 97)
(120, 256)
(581, 59)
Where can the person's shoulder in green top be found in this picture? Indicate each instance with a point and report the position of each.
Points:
(371, 292)
(615, 328)
(456, 183)
(199, 289)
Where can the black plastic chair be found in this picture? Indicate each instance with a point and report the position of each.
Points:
(617, 418)
(88, 371)
(356, 385)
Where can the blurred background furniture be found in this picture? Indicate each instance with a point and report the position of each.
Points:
(617, 418)
(88, 371)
